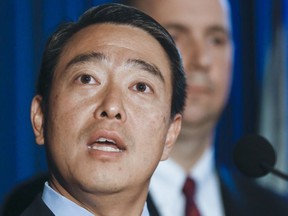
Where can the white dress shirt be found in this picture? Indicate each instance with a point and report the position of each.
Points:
(61, 206)
(168, 180)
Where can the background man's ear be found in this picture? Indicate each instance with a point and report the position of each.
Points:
(37, 119)
(172, 135)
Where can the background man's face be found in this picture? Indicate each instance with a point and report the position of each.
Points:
(109, 110)
(201, 31)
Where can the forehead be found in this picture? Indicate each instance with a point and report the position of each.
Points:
(188, 12)
(118, 43)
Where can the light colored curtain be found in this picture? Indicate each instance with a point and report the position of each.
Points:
(274, 105)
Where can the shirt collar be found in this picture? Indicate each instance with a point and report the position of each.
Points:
(204, 167)
(61, 206)
(145, 211)
(168, 179)
(201, 170)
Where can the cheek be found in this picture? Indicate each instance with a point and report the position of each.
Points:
(62, 114)
(153, 131)
(223, 82)
(155, 114)
(68, 108)
(64, 121)
(185, 53)
(151, 141)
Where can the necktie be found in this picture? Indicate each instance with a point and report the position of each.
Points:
(189, 192)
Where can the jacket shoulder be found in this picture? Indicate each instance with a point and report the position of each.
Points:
(243, 196)
(38, 208)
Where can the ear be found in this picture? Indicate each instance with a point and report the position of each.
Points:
(37, 119)
(173, 132)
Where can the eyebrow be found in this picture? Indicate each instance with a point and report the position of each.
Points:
(211, 29)
(175, 26)
(151, 68)
(219, 29)
(86, 57)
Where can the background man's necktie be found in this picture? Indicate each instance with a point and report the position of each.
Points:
(189, 192)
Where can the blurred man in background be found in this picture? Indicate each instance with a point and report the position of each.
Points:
(202, 32)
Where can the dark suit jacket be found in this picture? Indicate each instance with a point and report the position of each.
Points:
(242, 197)
(37, 208)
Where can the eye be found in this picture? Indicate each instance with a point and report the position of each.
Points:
(142, 87)
(218, 40)
(86, 79)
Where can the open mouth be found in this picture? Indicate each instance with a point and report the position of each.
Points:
(105, 144)
(106, 141)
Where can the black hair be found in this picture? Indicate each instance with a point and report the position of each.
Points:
(115, 14)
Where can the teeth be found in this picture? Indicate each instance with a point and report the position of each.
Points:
(105, 148)
(102, 139)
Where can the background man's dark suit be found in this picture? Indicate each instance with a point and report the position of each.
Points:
(241, 197)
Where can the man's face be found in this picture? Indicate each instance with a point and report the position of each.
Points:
(201, 31)
(109, 111)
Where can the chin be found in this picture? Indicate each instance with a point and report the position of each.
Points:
(102, 187)
(196, 118)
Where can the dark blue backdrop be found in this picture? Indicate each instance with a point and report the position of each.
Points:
(25, 26)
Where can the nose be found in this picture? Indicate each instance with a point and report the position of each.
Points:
(111, 106)
(199, 58)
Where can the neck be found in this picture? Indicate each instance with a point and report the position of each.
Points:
(125, 202)
(191, 144)
(118, 205)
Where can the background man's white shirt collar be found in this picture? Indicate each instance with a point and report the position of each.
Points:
(167, 182)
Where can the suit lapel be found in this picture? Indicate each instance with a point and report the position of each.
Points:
(37, 208)
(151, 206)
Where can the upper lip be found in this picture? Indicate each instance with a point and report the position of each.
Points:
(111, 136)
